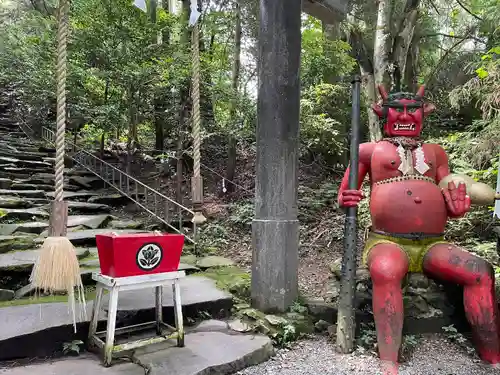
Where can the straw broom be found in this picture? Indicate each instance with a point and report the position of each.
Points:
(57, 268)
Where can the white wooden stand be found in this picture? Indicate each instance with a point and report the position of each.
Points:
(114, 286)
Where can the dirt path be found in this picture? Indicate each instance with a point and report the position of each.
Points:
(433, 355)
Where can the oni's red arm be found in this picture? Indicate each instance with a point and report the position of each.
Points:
(365, 154)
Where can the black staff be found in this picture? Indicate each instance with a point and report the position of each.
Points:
(346, 320)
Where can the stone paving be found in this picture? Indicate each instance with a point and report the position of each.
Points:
(210, 349)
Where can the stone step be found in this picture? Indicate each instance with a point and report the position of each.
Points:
(32, 149)
(8, 127)
(78, 172)
(114, 200)
(91, 221)
(36, 330)
(87, 183)
(5, 183)
(206, 352)
(16, 243)
(8, 214)
(86, 238)
(17, 175)
(84, 221)
(16, 134)
(37, 181)
(24, 193)
(35, 227)
(30, 164)
(26, 171)
(77, 195)
(84, 207)
(23, 155)
(15, 202)
(44, 181)
(22, 261)
(26, 186)
(126, 224)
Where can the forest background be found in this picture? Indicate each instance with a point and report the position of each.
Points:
(129, 91)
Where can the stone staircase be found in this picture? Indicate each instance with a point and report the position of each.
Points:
(27, 186)
(34, 326)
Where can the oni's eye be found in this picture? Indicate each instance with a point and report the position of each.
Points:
(411, 110)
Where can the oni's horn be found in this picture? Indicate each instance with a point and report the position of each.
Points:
(421, 91)
(383, 93)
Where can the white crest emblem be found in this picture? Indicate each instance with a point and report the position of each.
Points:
(149, 256)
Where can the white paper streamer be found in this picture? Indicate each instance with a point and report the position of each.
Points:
(193, 18)
(141, 4)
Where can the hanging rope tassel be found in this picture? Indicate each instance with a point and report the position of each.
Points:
(57, 268)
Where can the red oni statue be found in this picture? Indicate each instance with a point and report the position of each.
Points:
(409, 212)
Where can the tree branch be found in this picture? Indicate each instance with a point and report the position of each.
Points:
(434, 7)
(454, 37)
(468, 11)
(432, 75)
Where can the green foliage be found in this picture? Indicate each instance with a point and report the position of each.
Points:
(72, 347)
(242, 213)
(212, 236)
(453, 335)
(322, 58)
(314, 200)
(325, 117)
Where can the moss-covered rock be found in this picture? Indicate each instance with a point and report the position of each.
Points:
(231, 279)
(189, 259)
(14, 202)
(13, 243)
(125, 224)
(214, 261)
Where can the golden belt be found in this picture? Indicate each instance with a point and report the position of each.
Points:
(405, 178)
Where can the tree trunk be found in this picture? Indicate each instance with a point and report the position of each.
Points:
(366, 69)
(403, 40)
(410, 72)
(381, 66)
(370, 93)
(331, 33)
(131, 130)
(102, 143)
(232, 141)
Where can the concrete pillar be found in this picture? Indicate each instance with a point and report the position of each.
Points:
(276, 228)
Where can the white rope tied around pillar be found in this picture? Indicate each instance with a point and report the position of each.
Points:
(198, 217)
(61, 73)
(57, 268)
(196, 101)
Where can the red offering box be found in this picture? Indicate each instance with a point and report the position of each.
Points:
(134, 254)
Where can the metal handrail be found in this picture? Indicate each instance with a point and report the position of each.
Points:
(103, 170)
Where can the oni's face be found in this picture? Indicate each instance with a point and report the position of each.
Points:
(402, 117)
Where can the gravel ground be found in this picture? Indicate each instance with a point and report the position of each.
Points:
(434, 355)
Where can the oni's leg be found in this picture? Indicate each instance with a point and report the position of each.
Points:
(449, 262)
(388, 266)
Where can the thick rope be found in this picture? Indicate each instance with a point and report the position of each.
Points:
(196, 101)
(62, 42)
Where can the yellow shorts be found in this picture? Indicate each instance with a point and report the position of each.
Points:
(414, 249)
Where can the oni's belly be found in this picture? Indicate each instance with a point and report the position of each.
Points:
(408, 206)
